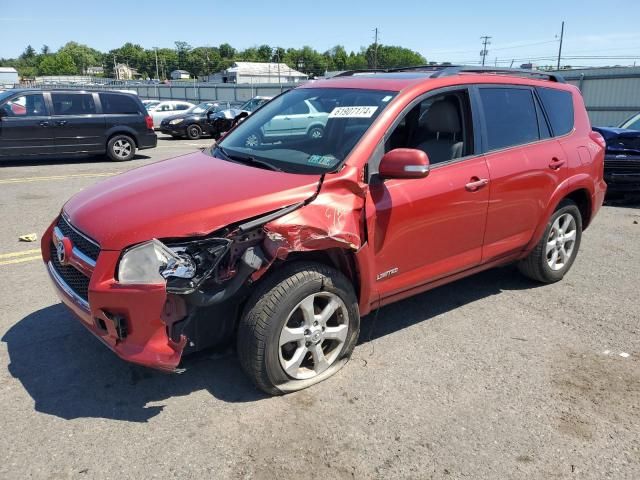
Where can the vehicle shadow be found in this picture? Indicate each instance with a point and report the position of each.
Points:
(35, 162)
(432, 303)
(70, 374)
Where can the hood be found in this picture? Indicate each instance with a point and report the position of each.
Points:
(184, 116)
(186, 196)
(229, 113)
(620, 141)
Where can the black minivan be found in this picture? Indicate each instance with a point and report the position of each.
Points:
(69, 122)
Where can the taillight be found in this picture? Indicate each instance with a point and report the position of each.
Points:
(149, 121)
(598, 138)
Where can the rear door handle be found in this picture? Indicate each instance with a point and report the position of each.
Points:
(44, 124)
(61, 123)
(476, 184)
(556, 163)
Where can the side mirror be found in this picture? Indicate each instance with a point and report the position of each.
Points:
(404, 163)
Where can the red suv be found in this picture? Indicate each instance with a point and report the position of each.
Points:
(333, 199)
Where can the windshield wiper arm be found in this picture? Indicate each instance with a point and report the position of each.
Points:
(248, 160)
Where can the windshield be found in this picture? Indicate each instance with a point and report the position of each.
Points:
(253, 104)
(633, 123)
(151, 105)
(203, 107)
(6, 94)
(306, 130)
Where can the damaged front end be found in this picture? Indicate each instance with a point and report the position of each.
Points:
(208, 279)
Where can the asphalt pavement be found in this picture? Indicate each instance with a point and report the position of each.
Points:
(491, 377)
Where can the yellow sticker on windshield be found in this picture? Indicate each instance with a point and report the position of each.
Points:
(353, 112)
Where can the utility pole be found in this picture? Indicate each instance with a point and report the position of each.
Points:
(277, 55)
(375, 49)
(484, 52)
(560, 47)
(157, 71)
(115, 67)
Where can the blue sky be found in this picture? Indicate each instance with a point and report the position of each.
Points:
(439, 30)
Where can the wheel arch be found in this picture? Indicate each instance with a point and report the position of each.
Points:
(129, 132)
(582, 199)
(341, 259)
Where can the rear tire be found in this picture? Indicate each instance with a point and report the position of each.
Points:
(556, 251)
(121, 148)
(194, 132)
(298, 328)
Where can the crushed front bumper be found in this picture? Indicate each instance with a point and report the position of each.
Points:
(126, 318)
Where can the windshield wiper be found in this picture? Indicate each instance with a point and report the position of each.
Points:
(249, 160)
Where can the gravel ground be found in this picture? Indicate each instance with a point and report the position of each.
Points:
(491, 377)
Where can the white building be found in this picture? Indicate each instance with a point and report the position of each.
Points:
(9, 76)
(257, 72)
(180, 75)
(125, 72)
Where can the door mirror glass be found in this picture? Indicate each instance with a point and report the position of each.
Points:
(404, 163)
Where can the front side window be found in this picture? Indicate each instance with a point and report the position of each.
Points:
(440, 126)
(316, 141)
(510, 117)
(25, 106)
(73, 103)
(182, 106)
(559, 107)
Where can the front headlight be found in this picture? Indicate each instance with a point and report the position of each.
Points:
(176, 121)
(153, 262)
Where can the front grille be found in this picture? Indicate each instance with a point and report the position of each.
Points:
(72, 277)
(80, 241)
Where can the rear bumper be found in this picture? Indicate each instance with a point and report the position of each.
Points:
(126, 318)
(147, 140)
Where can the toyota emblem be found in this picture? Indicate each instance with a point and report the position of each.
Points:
(60, 252)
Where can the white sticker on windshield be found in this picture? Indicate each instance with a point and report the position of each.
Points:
(387, 98)
(353, 112)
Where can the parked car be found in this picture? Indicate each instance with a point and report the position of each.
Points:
(150, 103)
(166, 109)
(224, 120)
(192, 123)
(304, 119)
(622, 158)
(60, 122)
(419, 179)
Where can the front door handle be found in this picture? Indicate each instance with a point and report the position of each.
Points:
(476, 184)
(556, 163)
(61, 123)
(44, 123)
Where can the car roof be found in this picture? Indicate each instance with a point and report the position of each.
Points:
(401, 79)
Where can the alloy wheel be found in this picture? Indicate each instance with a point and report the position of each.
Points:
(561, 241)
(122, 148)
(313, 335)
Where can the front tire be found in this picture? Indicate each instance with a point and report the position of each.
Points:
(298, 328)
(194, 132)
(121, 148)
(556, 251)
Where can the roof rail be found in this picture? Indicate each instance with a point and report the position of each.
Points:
(454, 70)
(440, 70)
(349, 73)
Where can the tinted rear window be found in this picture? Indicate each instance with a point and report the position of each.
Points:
(559, 107)
(510, 117)
(118, 104)
(73, 103)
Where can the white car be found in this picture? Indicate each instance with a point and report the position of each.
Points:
(302, 119)
(150, 103)
(166, 109)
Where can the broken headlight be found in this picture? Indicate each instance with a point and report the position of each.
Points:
(153, 262)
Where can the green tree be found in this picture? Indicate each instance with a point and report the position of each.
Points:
(82, 55)
(227, 51)
(59, 64)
